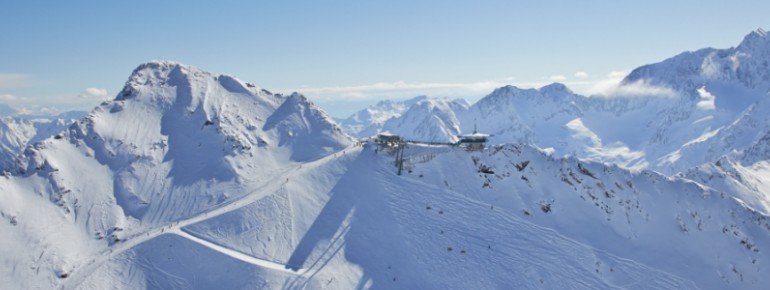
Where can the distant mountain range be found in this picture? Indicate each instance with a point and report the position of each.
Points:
(670, 116)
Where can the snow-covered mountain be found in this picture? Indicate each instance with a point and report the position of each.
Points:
(745, 64)
(669, 116)
(16, 133)
(433, 120)
(370, 121)
(190, 179)
(176, 142)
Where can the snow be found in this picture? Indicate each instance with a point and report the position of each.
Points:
(368, 122)
(367, 226)
(174, 262)
(241, 256)
(694, 93)
(18, 132)
(190, 179)
(177, 142)
(641, 212)
(421, 118)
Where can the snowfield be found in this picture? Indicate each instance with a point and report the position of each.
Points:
(194, 180)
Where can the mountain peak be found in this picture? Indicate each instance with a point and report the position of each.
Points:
(158, 69)
(155, 64)
(154, 73)
(506, 88)
(298, 100)
(415, 99)
(504, 91)
(159, 75)
(555, 87)
(757, 36)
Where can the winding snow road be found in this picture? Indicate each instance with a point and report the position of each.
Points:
(238, 255)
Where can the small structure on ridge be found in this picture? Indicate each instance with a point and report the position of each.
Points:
(388, 139)
(473, 142)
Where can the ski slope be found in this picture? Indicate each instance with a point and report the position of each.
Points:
(238, 255)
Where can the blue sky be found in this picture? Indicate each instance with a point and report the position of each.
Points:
(348, 54)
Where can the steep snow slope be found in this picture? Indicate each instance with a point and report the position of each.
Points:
(176, 142)
(16, 133)
(749, 182)
(745, 174)
(748, 131)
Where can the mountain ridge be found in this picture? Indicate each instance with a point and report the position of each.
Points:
(674, 107)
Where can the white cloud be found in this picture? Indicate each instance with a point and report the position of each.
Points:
(400, 89)
(617, 74)
(607, 86)
(611, 86)
(558, 78)
(96, 94)
(706, 100)
(14, 80)
(7, 98)
(39, 110)
(55, 104)
(640, 88)
(581, 75)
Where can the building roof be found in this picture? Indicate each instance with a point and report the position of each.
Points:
(475, 135)
(473, 138)
(387, 134)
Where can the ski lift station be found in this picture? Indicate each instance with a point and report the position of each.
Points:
(395, 144)
(473, 142)
(387, 138)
